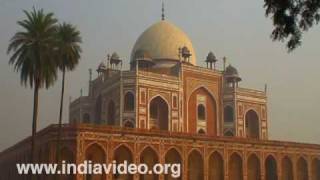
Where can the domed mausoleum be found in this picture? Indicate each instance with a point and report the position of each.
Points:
(167, 109)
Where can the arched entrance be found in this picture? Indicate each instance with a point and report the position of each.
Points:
(150, 158)
(67, 156)
(121, 155)
(271, 168)
(195, 166)
(287, 169)
(253, 170)
(111, 113)
(173, 157)
(302, 169)
(315, 169)
(235, 167)
(216, 169)
(202, 97)
(158, 114)
(252, 124)
(97, 155)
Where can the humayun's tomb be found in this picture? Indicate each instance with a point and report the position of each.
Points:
(166, 109)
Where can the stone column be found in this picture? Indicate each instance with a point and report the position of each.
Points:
(161, 156)
(80, 153)
(205, 163)
(226, 162)
(294, 168)
(279, 167)
(262, 166)
(309, 168)
(244, 166)
(135, 158)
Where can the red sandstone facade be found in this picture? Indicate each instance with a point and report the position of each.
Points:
(201, 156)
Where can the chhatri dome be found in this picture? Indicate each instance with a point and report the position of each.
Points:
(162, 41)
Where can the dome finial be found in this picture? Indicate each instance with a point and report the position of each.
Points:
(162, 15)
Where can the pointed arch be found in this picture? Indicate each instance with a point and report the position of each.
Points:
(129, 101)
(302, 169)
(287, 168)
(216, 166)
(122, 154)
(159, 113)
(68, 156)
(271, 169)
(149, 157)
(253, 168)
(96, 154)
(252, 124)
(235, 167)
(202, 95)
(201, 112)
(195, 165)
(173, 157)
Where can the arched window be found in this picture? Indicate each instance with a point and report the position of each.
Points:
(159, 114)
(96, 155)
(228, 114)
(129, 102)
(271, 172)
(121, 155)
(216, 166)
(252, 124)
(201, 112)
(302, 169)
(235, 167)
(149, 157)
(172, 157)
(253, 170)
(195, 166)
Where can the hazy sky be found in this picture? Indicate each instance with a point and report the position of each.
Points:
(236, 29)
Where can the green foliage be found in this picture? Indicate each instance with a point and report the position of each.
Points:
(291, 18)
(68, 46)
(32, 49)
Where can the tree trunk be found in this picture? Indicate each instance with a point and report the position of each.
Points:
(34, 123)
(60, 118)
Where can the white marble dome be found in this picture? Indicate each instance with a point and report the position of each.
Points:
(162, 41)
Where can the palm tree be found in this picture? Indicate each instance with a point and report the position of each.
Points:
(68, 53)
(31, 56)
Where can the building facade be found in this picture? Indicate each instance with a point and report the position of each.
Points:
(165, 89)
(167, 109)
